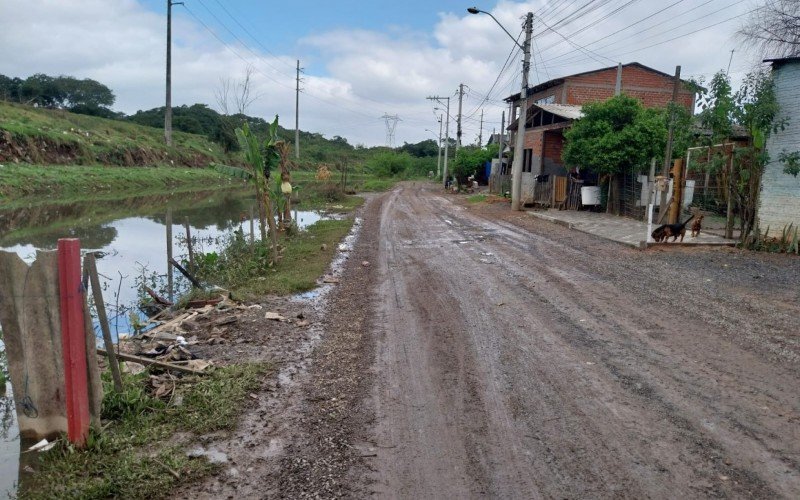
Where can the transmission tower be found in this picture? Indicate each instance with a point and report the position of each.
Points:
(391, 125)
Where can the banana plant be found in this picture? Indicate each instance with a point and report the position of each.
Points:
(260, 158)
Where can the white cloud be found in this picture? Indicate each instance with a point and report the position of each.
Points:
(121, 44)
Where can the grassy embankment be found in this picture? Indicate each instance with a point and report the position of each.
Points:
(62, 154)
(58, 153)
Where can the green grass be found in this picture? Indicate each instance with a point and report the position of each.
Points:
(136, 456)
(476, 198)
(71, 181)
(245, 269)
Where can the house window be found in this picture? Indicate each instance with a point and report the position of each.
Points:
(527, 160)
(551, 99)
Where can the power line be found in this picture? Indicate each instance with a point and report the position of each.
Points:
(237, 54)
(572, 60)
(251, 35)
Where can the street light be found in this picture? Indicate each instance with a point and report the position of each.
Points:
(475, 10)
(516, 166)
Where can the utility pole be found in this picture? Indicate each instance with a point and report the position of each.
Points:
(297, 114)
(458, 122)
(480, 133)
(516, 167)
(446, 133)
(668, 152)
(729, 65)
(168, 107)
(439, 154)
(502, 131)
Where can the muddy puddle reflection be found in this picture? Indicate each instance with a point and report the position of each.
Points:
(131, 234)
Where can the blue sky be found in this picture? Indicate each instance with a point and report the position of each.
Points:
(361, 58)
(280, 25)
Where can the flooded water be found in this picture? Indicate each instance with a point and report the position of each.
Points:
(131, 234)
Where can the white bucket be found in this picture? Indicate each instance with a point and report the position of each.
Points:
(590, 195)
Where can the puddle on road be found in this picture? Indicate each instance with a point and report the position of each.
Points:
(214, 456)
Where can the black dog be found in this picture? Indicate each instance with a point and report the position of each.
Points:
(662, 233)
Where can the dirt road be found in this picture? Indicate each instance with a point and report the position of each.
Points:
(471, 352)
(517, 359)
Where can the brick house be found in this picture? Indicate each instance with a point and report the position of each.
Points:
(779, 203)
(553, 105)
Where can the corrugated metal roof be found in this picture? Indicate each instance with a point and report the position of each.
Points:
(568, 111)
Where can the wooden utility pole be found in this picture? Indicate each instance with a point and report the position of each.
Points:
(668, 152)
(168, 106)
(677, 192)
(502, 130)
(297, 114)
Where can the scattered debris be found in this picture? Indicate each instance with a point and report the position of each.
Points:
(330, 279)
(274, 316)
(365, 263)
(42, 445)
(154, 362)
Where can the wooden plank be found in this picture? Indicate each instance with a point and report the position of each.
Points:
(91, 267)
(73, 340)
(154, 362)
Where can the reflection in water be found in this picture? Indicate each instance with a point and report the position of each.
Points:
(131, 233)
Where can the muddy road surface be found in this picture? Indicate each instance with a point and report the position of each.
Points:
(517, 359)
(473, 352)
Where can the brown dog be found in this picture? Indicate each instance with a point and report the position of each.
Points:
(696, 226)
(662, 233)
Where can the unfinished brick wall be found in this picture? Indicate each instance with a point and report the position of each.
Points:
(654, 90)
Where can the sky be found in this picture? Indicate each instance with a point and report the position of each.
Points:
(362, 60)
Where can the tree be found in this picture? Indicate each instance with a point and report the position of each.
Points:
(616, 136)
(41, 89)
(754, 107)
(9, 88)
(261, 157)
(470, 159)
(774, 28)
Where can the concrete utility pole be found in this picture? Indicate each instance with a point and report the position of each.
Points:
(500, 141)
(168, 107)
(439, 154)
(516, 167)
(458, 122)
(668, 152)
(297, 114)
(446, 133)
(480, 133)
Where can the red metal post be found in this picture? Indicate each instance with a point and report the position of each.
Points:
(73, 342)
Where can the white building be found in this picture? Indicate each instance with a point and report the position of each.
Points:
(779, 203)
